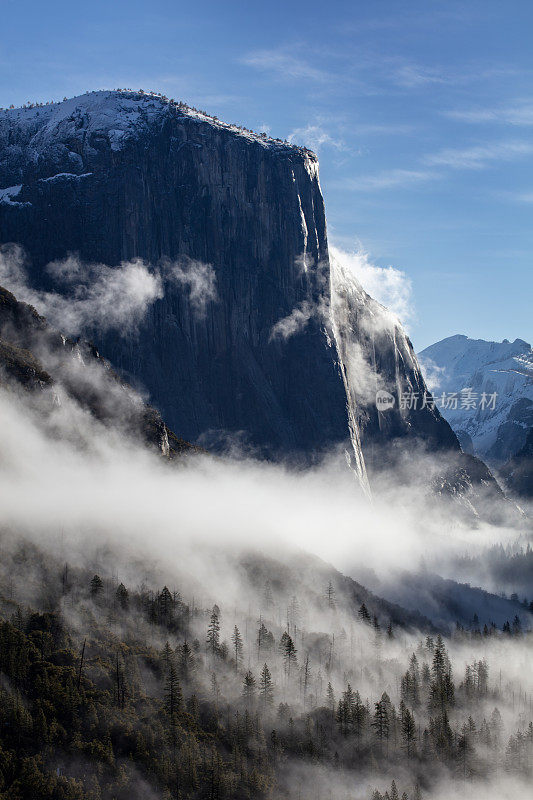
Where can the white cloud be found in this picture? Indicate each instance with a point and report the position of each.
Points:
(479, 157)
(389, 286)
(285, 66)
(389, 179)
(470, 158)
(198, 279)
(520, 114)
(412, 76)
(293, 323)
(96, 296)
(315, 137)
(433, 374)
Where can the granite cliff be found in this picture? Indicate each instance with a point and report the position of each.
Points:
(276, 347)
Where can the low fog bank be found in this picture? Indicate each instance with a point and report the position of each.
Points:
(233, 539)
(101, 488)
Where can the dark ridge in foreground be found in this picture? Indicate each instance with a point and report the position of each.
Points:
(35, 357)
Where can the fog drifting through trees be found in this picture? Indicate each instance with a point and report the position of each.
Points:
(194, 646)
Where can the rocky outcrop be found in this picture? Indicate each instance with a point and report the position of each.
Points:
(277, 353)
(518, 472)
(37, 358)
(174, 184)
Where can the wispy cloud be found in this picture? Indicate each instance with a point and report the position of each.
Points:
(525, 197)
(516, 197)
(519, 113)
(412, 76)
(366, 70)
(315, 137)
(435, 165)
(479, 157)
(389, 286)
(198, 279)
(92, 296)
(381, 129)
(293, 323)
(388, 179)
(286, 66)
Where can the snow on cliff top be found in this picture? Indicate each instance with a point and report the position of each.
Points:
(117, 114)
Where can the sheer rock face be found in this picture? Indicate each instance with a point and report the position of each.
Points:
(115, 176)
(518, 472)
(377, 356)
(175, 185)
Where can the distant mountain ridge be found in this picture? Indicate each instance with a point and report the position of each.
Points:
(503, 369)
(493, 413)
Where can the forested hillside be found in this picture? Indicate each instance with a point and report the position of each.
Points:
(112, 690)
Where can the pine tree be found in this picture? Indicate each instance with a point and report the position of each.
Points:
(97, 585)
(236, 638)
(266, 688)
(331, 596)
(289, 652)
(173, 701)
(408, 730)
(306, 677)
(363, 614)
(122, 596)
(166, 606)
(330, 698)
(213, 632)
(167, 655)
(438, 666)
(186, 662)
(380, 722)
(359, 714)
(343, 717)
(248, 689)
(349, 698)
(261, 637)
(173, 695)
(463, 752)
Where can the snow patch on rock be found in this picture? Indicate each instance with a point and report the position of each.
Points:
(7, 195)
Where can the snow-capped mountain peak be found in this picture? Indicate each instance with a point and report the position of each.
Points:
(499, 372)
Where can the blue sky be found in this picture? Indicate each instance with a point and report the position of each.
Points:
(421, 113)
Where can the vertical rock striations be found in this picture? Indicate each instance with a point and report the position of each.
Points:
(242, 342)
